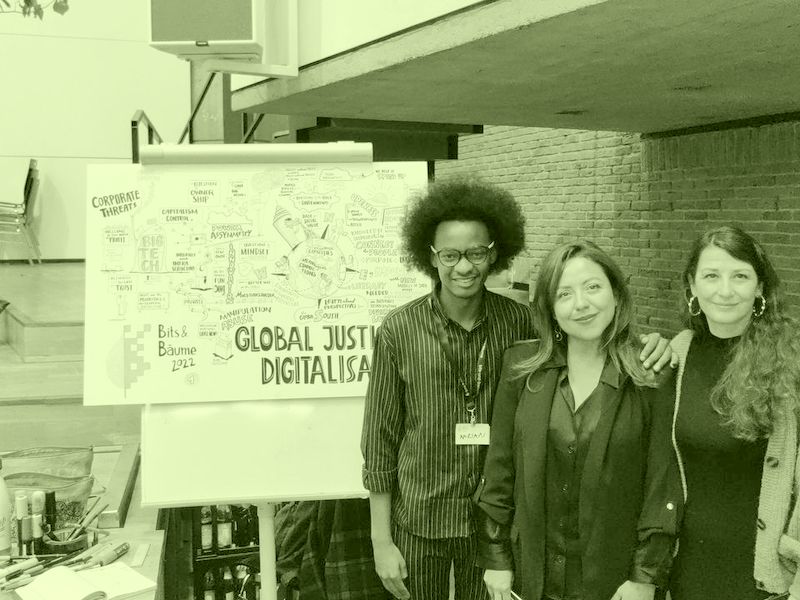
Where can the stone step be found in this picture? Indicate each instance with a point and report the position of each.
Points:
(44, 380)
(66, 422)
(41, 341)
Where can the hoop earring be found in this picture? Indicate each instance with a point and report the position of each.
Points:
(761, 309)
(558, 334)
(690, 303)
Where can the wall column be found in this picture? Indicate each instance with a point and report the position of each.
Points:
(215, 122)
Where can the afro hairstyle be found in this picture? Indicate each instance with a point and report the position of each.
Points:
(463, 200)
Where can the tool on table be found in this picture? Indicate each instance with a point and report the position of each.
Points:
(87, 520)
(105, 557)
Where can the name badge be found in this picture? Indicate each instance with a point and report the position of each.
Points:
(468, 434)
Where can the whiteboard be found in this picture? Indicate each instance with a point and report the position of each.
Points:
(220, 433)
(239, 281)
(232, 452)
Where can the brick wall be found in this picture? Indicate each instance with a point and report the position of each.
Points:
(645, 200)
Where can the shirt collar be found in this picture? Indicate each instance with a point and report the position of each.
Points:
(610, 374)
(436, 306)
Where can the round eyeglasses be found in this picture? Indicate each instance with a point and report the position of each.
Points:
(450, 257)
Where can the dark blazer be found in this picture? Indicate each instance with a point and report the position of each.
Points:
(629, 503)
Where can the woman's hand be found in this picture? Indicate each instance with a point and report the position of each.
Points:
(630, 590)
(391, 568)
(498, 583)
(657, 352)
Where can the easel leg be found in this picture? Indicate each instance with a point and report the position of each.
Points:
(266, 541)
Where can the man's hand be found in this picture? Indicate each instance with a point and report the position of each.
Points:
(498, 583)
(631, 590)
(391, 568)
(656, 352)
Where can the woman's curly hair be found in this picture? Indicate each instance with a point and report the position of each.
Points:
(763, 374)
(463, 200)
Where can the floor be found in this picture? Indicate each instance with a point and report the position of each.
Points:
(50, 292)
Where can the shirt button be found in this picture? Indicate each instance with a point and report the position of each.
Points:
(571, 449)
(564, 488)
(670, 506)
(761, 524)
(772, 461)
(559, 559)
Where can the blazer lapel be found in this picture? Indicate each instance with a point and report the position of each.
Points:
(536, 403)
(595, 456)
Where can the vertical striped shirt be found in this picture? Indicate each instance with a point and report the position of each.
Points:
(414, 401)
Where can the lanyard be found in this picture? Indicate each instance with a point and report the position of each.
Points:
(447, 347)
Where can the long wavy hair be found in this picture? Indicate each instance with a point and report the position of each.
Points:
(618, 339)
(764, 369)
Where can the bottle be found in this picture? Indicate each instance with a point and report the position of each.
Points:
(227, 584)
(253, 511)
(241, 525)
(224, 526)
(5, 516)
(209, 585)
(244, 583)
(206, 529)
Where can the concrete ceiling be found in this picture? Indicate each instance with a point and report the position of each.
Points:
(624, 65)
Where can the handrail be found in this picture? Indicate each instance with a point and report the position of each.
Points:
(252, 130)
(188, 128)
(140, 118)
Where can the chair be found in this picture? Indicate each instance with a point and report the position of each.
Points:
(16, 218)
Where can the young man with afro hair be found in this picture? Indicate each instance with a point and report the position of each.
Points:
(435, 369)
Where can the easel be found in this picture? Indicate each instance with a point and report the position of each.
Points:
(292, 448)
(326, 430)
(266, 557)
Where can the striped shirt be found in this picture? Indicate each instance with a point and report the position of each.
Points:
(414, 401)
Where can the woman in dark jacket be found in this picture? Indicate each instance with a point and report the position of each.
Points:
(578, 501)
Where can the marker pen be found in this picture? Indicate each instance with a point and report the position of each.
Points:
(20, 566)
(84, 555)
(50, 513)
(27, 534)
(37, 511)
(47, 556)
(18, 582)
(105, 557)
(38, 533)
(37, 502)
(21, 510)
(34, 570)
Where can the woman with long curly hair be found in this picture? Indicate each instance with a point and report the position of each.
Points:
(735, 426)
(577, 499)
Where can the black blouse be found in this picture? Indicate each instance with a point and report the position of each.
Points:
(569, 434)
(723, 479)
